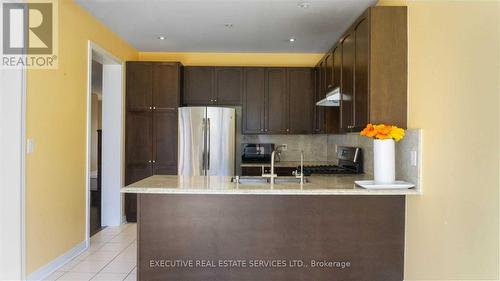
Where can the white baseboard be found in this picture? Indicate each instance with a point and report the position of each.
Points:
(52, 266)
(124, 219)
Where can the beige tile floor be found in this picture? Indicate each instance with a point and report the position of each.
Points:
(112, 255)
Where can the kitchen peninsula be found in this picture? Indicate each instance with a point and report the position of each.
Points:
(292, 231)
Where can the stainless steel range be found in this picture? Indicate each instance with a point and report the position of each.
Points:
(350, 161)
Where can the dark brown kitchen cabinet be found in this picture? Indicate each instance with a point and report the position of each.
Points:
(301, 100)
(199, 85)
(319, 111)
(166, 85)
(332, 114)
(139, 92)
(276, 109)
(229, 85)
(278, 100)
(347, 89)
(329, 72)
(254, 100)
(362, 51)
(152, 97)
(164, 141)
(208, 85)
(370, 67)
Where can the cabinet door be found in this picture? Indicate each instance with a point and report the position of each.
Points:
(276, 115)
(319, 111)
(361, 34)
(332, 114)
(301, 95)
(253, 100)
(347, 88)
(138, 146)
(229, 85)
(329, 72)
(165, 141)
(337, 66)
(138, 85)
(198, 85)
(166, 85)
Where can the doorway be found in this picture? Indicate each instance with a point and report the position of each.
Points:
(104, 140)
(96, 149)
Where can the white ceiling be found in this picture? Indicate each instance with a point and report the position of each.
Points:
(199, 25)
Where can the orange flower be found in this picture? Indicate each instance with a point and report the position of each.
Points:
(369, 131)
(383, 132)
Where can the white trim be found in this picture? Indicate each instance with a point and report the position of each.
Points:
(88, 142)
(54, 265)
(101, 55)
(23, 175)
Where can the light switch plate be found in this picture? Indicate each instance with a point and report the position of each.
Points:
(30, 146)
(413, 158)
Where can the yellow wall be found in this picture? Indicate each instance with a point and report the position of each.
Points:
(56, 120)
(235, 59)
(453, 229)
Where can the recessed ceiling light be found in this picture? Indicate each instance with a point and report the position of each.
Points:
(304, 5)
(291, 39)
(161, 37)
(228, 25)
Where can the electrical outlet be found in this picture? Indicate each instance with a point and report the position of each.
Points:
(284, 147)
(413, 158)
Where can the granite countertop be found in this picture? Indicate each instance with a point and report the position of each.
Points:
(292, 164)
(317, 185)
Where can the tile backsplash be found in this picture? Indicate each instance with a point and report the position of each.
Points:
(323, 148)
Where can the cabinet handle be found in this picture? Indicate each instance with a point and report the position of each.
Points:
(154, 107)
(262, 130)
(215, 100)
(154, 161)
(149, 161)
(266, 130)
(150, 108)
(288, 130)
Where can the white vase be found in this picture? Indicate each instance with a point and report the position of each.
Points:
(384, 167)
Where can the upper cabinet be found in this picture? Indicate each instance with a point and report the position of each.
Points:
(139, 86)
(166, 85)
(301, 100)
(254, 96)
(207, 85)
(347, 84)
(229, 85)
(278, 100)
(198, 85)
(276, 117)
(370, 67)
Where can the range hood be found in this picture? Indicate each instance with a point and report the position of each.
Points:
(332, 98)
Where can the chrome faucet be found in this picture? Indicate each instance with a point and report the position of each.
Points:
(271, 174)
(300, 174)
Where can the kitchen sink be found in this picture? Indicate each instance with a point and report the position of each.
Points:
(261, 180)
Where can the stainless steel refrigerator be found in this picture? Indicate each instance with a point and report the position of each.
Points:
(206, 141)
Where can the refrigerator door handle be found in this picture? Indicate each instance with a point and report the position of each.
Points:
(208, 144)
(204, 150)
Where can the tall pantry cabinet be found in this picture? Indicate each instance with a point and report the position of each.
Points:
(152, 100)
